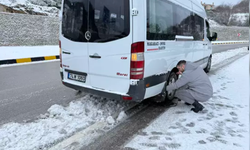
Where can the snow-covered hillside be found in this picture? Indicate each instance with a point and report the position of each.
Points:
(213, 23)
(234, 20)
(46, 7)
(240, 17)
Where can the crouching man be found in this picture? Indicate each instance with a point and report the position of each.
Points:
(193, 86)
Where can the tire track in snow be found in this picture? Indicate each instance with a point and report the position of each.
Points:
(226, 62)
(117, 137)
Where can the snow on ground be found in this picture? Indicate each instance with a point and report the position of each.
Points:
(213, 23)
(223, 125)
(240, 17)
(220, 57)
(12, 52)
(224, 121)
(24, 5)
(61, 122)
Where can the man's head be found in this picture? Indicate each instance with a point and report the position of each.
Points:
(181, 66)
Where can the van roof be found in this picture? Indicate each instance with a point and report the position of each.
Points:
(198, 4)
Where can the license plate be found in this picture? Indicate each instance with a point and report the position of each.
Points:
(77, 77)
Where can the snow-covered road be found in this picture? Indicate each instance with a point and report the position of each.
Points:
(225, 123)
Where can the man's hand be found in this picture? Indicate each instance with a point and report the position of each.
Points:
(179, 73)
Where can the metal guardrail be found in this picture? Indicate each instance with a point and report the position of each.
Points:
(229, 42)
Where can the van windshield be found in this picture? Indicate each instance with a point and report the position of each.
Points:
(95, 20)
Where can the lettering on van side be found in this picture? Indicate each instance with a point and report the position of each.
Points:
(152, 43)
(124, 58)
(155, 43)
(121, 74)
(161, 45)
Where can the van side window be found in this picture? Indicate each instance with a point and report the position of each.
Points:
(165, 20)
(183, 21)
(198, 28)
(160, 20)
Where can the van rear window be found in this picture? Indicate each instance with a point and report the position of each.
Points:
(95, 20)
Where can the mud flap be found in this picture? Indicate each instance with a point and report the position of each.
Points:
(162, 96)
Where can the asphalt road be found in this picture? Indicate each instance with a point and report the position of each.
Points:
(221, 48)
(29, 90)
(26, 91)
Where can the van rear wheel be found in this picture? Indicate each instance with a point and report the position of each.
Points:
(170, 94)
(167, 96)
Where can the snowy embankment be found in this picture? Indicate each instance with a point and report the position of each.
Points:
(225, 115)
(61, 122)
(12, 52)
(45, 7)
(15, 52)
(213, 23)
(229, 33)
(240, 17)
(223, 125)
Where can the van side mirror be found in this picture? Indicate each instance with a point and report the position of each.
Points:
(214, 36)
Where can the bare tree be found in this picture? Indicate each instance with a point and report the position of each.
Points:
(241, 7)
(222, 14)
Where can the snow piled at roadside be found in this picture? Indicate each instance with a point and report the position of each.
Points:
(213, 23)
(220, 57)
(16, 52)
(28, 5)
(240, 17)
(223, 125)
(60, 123)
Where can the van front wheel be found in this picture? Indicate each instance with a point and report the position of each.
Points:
(209, 64)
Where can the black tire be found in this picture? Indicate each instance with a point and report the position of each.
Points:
(165, 97)
(209, 64)
(170, 96)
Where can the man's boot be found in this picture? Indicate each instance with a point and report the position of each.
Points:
(197, 107)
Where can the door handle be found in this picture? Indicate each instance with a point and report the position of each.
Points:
(95, 56)
(66, 52)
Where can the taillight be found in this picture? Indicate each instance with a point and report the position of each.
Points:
(60, 54)
(137, 61)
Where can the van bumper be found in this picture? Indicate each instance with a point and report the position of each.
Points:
(94, 92)
(137, 92)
